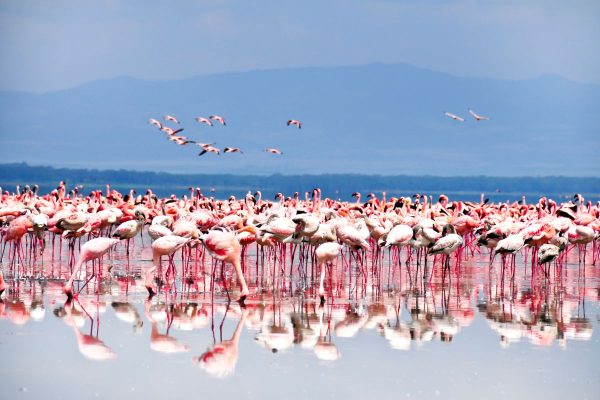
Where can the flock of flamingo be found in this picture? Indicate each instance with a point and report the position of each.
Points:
(172, 134)
(315, 234)
(330, 255)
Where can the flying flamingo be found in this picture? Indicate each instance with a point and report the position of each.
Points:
(209, 149)
(217, 118)
(273, 151)
(171, 118)
(170, 131)
(477, 116)
(203, 120)
(91, 250)
(454, 116)
(232, 150)
(205, 145)
(294, 122)
(153, 121)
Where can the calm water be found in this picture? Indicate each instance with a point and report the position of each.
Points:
(473, 332)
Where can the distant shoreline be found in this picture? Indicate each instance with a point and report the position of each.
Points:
(332, 185)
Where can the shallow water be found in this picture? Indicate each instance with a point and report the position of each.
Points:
(471, 332)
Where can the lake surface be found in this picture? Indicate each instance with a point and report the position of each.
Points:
(476, 331)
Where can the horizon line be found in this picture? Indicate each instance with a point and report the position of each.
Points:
(23, 163)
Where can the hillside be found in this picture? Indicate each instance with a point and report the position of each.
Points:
(372, 119)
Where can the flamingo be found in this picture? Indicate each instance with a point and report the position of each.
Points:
(454, 116)
(294, 122)
(2, 283)
(232, 150)
(163, 246)
(477, 116)
(224, 246)
(217, 118)
(203, 120)
(156, 122)
(325, 253)
(171, 118)
(548, 253)
(209, 149)
(273, 151)
(447, 244)
(170, 131)
(91, 250)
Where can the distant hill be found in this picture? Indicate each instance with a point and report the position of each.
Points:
(372, 119)
(334, 186)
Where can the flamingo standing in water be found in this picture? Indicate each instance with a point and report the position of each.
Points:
(224, 246)
(326, 252)
(163, 246)
(91, 250)
(2, 283)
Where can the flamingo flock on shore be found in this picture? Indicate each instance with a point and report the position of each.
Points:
(172, 134)
(316, 231)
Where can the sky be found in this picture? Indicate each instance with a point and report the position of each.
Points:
(54, 45)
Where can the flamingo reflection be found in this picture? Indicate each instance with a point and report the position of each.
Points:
(219, 360)
(89, 346)
(163, 343)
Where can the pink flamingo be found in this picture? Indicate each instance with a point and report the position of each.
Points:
(218, 119)
(163, 246)
(273, 151)
(91, 250)
(224, 246)
(325, 253)
(203, 120)
(294, 122)
(477, 116)
(454, 116)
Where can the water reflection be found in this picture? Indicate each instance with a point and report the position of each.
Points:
(408, 308)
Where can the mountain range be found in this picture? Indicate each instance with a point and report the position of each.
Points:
(371, 119)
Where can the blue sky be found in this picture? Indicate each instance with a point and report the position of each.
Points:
(53, 45)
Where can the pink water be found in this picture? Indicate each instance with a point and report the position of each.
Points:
(472, 332)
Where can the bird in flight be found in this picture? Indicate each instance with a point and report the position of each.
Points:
(477, 116)
(171, 118)
(170, 131)
(204, 120)
(217, 118)
(204, 145)
(295, 122)
(273, 151)
(153, 121)
(210, 149)
(232, 150)
(454, 116)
